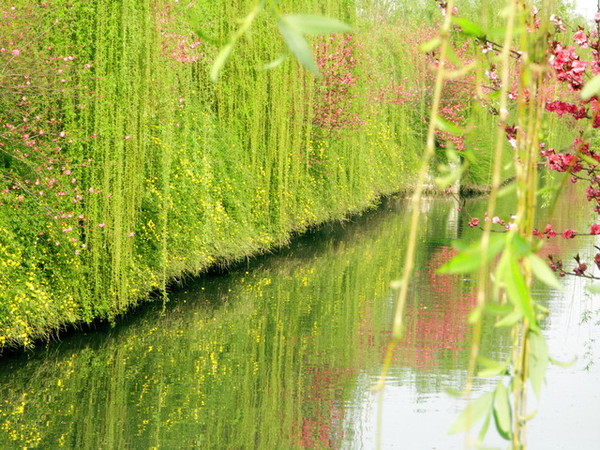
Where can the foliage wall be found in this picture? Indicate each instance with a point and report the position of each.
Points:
(122, 166)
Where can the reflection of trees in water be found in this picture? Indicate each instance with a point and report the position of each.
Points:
(436, 320)
(321, 423)
(266, 354)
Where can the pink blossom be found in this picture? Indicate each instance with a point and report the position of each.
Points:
(563, 162)
(15, 52)
(568, 66)
(568, 234)
(581, 39)
(561, 108)
(578, 66)
(101, 225)
(549, 232)
(595, 229)
(487, 47)
(474, 222)
(558, 23)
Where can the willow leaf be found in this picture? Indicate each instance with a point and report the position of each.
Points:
(543, 272)
(591, 88)
(298, 45)
(315, 24)
(502, 411)
(220, 61)
(538, 360)
(470, 259)
(468, 27)
(474, 411)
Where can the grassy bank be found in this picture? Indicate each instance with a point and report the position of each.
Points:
(124, 166)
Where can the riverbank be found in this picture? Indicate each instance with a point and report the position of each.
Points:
(219, 266)
(125, 168)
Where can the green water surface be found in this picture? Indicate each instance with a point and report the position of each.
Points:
(282, 352)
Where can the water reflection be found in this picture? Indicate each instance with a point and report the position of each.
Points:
(280, 354)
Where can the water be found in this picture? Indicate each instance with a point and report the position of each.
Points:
(282, 352)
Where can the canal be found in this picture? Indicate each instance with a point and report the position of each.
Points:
(283, 351)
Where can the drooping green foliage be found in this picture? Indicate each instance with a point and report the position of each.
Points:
(124, 166)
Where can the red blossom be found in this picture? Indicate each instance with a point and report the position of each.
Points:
(580, 269)
(568, 66)
(334, 103)
(474, 222)
(561, 108)
(549, 232)
(581, 38)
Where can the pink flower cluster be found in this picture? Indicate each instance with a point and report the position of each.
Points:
(562, 162)
(568, 66)
(336, 62)
(184, 48)
(33, 134)
(506, 226)
(582, 169)
(581, 38)
(561, 108)
(549, 232)
(580, 270)
(558, 23)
